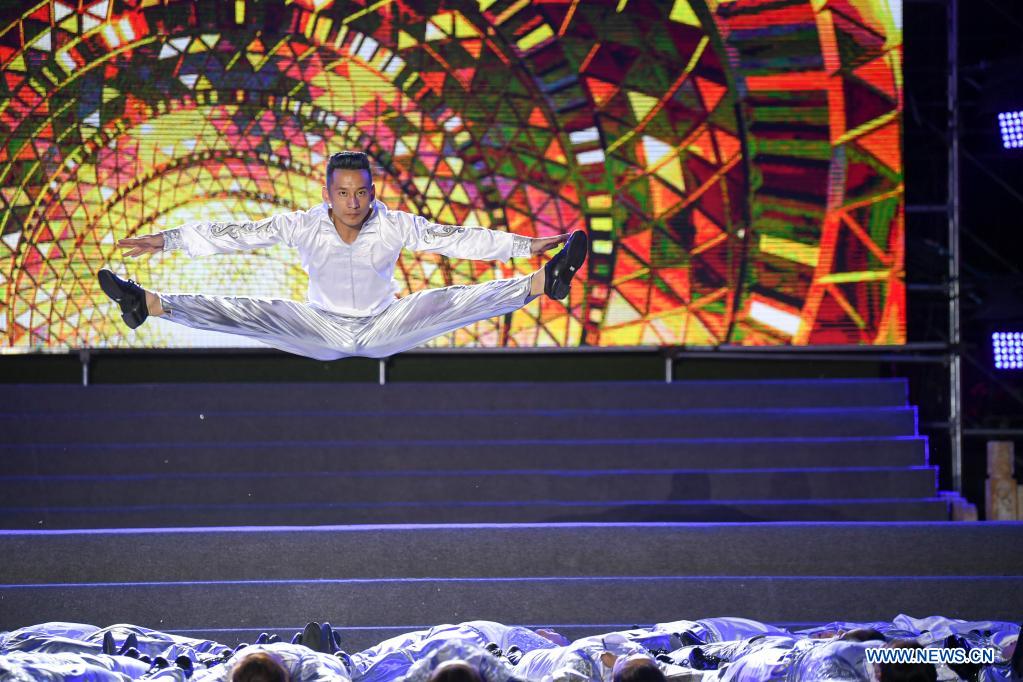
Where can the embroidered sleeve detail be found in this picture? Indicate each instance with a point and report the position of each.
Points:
(435, 232)
(520, 247)
(239, 231)
(172, 240)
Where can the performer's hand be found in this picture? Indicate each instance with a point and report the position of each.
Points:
(541, 244)
(150, 243)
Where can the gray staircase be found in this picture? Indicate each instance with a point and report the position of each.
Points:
(224, 510)
(281, 454)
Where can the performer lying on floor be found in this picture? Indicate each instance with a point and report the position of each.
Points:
(349, 245)
(712, 650)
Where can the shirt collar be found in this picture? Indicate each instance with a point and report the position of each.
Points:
(372, 220)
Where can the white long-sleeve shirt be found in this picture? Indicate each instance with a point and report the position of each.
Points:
(393, 657)
(302, 663)
(580, 661)
(351, 279)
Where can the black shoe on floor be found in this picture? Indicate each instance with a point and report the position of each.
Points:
(328, 644)
(688, 638)
(336, 637)
(560, 270)
(128, 295)
(312, 635)
(109, 648)
(130, 642)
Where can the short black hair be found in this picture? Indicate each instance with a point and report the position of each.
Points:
(455, 671)
(259, 666)
(639, 670)
(863, 635)
(348, 161)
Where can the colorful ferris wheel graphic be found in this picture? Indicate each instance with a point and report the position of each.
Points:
(736, 164)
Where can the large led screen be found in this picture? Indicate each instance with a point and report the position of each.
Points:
(737, 164)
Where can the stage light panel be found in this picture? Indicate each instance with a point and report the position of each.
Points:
(1010, 124)
(1007, 349)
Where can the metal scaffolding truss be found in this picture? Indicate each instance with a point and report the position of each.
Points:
(954, 332)
(952, 354)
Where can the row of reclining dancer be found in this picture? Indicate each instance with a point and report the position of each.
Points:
(707, 650)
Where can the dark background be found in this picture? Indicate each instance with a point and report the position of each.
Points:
(990, 50)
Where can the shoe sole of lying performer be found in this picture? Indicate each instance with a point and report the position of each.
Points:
(128, 295)
(562, 268)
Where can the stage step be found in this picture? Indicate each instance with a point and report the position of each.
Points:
(509, 550)
(446, 424)
(195, 605)
(370, 580)
(525, 511)
(496, 454)
(405, 396)
(473, 486)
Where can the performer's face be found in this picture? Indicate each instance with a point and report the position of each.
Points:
(350, 194)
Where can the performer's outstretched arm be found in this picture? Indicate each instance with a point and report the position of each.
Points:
(205, 238)
(475, 243)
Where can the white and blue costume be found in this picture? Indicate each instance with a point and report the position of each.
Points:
(583, 660)
(394, 657)
(302, 663)
(352, 307)
(490, 668)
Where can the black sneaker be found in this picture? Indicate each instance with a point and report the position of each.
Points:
(336, 636)
(562, 268)
(328, 642)
(127, 294)
(312, 636)
(130, 642)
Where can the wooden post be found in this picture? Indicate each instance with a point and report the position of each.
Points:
(1001, 493)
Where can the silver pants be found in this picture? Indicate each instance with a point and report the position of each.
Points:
(304, 329)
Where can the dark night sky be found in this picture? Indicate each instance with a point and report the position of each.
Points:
(991, 197)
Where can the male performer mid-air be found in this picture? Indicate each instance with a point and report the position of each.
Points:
(349, 245)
